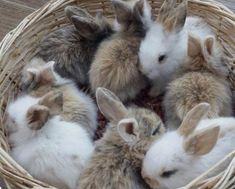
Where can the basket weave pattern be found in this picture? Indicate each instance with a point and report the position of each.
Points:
(19, 45)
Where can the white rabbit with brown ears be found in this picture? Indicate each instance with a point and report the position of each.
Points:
(165, 45)
(180, 156)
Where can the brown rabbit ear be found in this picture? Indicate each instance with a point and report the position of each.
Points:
(87, 28)
(53, 101)
(123, 12)
(202, 142)
(30, 79)
(194, 46)
(166, 10)
(142, 12)
(175, 20)
(192, 118)
(110, 105)
(37, 116)
(208, 45)
(128, 129)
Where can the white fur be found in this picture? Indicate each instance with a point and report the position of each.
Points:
(56, 154)
(168, 153)
(174, 45)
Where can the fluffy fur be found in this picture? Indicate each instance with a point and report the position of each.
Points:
(165, 45)
(56, 152)
(73, 47)
(170, 153)
(77, 107)
(117, 160)
(201, 78)
(115, 64)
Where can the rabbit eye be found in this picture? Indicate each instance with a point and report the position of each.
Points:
(161, 58)
(167, 174)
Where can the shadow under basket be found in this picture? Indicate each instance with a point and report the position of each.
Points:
(19, 45)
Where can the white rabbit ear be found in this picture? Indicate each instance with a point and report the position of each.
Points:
(37, 116)
(129, 130)
(208, 45)
(192, 118)
(53, 101)
(194, 46)
(110, 105)
(175, 20)
(202, 142)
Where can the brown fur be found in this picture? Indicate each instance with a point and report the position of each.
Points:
(115, 65)
(117, 163)
(202, 78)
(73, 47)
(77, 107)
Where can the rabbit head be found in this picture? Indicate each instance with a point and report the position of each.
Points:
(177, 152)
(135, 126)
(27, 114)
(42, 78)
(161, 49)
(88, 27)
(205, 54)
(132, 16)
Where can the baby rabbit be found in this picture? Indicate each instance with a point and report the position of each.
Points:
(115, 64)
(180, 156)
(49, 148)
(73, 47)
(165, 45)
(77, 107)
(117, 159)
(201, 78)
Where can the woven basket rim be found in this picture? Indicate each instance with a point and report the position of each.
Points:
(13, 172)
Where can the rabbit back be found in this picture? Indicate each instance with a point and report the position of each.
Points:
(193, 88)
(115, 67)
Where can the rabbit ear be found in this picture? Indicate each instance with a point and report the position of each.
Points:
(208, 45)
(192, 118)
(194, 46)
(71, 11)
(202, 142)
(110, 105)
(37, 116)
(30, 79)
(128, 130)
(142, 12)
(54, 101)
(175, 21)
(123, 12)
(87, 28)
(166, 10)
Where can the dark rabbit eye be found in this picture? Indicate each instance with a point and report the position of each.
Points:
(167, 174)
(161, 58)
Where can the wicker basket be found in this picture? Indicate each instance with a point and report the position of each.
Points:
(17, 48)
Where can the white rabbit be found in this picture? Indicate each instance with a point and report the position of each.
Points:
(50, 149)
(165, 45)
(180, 156)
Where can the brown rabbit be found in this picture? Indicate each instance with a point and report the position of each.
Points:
(73, 47)
(77, 106)
(201, 78)
(116, 62)
(117, 159)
